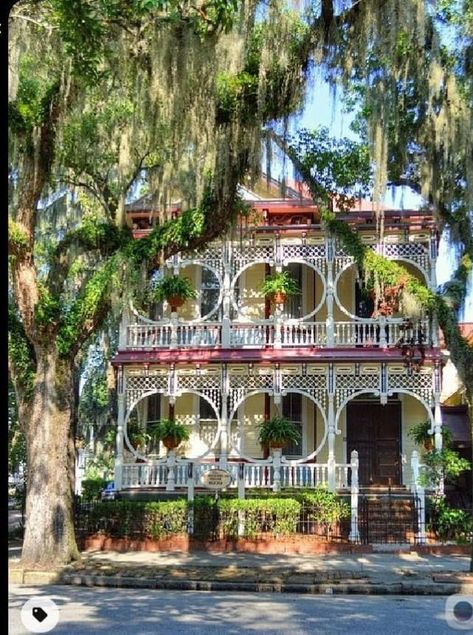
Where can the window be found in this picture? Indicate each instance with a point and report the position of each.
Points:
(292, 410)
(154, 408)
(294, 302)
(209, 291)
(206, 411)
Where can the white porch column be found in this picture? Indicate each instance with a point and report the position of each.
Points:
(329, 322)
(331, 443)
(226, 301)
(437, 425)
(224, 422)
(354, 535)
(120, 430)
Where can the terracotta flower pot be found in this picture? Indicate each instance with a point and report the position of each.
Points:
(170, 443)
(175, 302)
(428, 444)
(279, 298)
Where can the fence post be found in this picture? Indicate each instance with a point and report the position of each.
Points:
(414, 470)
(276, 469)
(190, 498)
(241, 480)
(419, 498)
(354, 531)
(171, 465)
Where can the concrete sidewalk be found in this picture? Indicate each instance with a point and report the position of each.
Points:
(373, 573)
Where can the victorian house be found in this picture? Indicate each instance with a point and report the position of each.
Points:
(230, 359)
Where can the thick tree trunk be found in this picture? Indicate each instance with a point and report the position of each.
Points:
(49, 533)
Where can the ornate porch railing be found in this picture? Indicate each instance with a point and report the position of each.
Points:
(255, 475)
(382, 333)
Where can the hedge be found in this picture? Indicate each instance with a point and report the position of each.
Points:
(223, 518)
(125, 519)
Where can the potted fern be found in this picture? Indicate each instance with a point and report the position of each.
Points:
(419, 433)
(278, 286)
(170, 432)
(278, 432)
(174, 289)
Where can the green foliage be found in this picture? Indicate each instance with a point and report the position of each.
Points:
(378, 269)
(48, 308)
(237, 94)
(342, 167)
(419, 433)
(324, 507)
(276, 516)
(21, 353)
(169, 428)
(172, 286)
(450, 523)
(17, 237)
(444, 464)
(91, 488)
(93, 299)
(280, 282)
(278, 432)
(123, 519)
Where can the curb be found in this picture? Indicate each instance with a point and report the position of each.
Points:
(397, 588)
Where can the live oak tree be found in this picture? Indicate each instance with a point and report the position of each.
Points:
(105, 92)
(99, 93)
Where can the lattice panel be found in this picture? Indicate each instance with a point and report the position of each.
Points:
(314, 385)
(138, 385)
(240, 385)
(247, 254)
(208, 386)
(412, 251)
(419, 383)
(347, 385)
(316, 254)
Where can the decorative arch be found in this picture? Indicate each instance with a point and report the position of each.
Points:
(270, 392)
(286, 262)
(165, 393)
(376, 393)
(348, 265)
(216, 272)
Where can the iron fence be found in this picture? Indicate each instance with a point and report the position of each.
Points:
(391, 518)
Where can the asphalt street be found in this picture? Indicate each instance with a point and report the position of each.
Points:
(141, 612)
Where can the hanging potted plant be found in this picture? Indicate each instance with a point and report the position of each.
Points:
(278, 432)
(419, 433)
(278, 286)
(170, 433)
(174, 289)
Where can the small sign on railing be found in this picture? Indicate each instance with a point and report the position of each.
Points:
(216, 479)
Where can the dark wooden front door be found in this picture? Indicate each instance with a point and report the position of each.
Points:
(375, 432)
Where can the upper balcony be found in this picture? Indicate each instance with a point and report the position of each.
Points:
(230, 312)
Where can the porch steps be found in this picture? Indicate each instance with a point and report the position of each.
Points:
(387, 518)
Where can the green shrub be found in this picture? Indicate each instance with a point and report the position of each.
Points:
(275, 516)
(124, 519)
(91, 488)
(450, 523)
(324, 507)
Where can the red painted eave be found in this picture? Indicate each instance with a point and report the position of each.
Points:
(235, 356)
